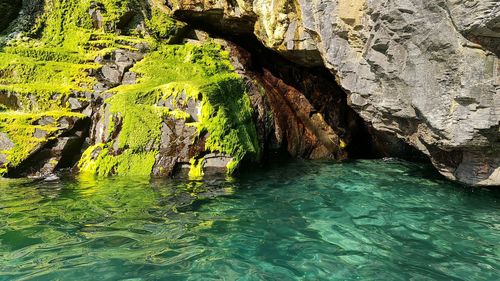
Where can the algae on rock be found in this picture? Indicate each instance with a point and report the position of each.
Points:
(175, 79)
(60, 63)
(28, 132)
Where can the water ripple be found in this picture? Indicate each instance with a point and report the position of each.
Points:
(363, 220)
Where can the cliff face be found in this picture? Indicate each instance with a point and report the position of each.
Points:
(425, 71)
(117, 88)
(136, 89)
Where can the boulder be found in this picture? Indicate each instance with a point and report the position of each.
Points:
(5, 145)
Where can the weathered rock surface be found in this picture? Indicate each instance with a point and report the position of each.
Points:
(424, 72)
(293, 117)
(178, 144)
(42, 145)
(5, 144)
(157, 128)
(427, 72)
(167, 115)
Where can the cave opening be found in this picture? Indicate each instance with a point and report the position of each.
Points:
(319, 87)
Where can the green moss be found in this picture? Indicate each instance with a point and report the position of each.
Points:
(141, 122)
(21, 128)
(182, 72)
(196, 170)
(227, 118)
(67, 23)
(30, 50)
(58, 61)
(98, 160)
(204, 70)
(59, 57)
(47, 82)
(161, 25)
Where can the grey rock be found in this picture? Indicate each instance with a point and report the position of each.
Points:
(45, 120)
(129, 78)
(124, 66)
(99, 59)
(96, 10)
(479, 168)
(65, 122)
(44, 163)
(112, 73)
(99, 88)
(216, 162)
(426, 71)
(76, 104)
(52, 147)
(192, 107)
(101, 120)
(5, 144)
(478, 21)
(40, 134)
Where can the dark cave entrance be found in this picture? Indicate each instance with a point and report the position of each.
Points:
(317, 84)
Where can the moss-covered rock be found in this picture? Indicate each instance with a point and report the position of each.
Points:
(191, 84)
(26, 133)
(155, 106)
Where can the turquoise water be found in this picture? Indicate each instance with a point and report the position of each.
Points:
(364, 220)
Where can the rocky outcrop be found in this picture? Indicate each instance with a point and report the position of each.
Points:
(160, 109)
(478, 21)
(422, 73)
(149, 107)
(426, 72)
(35, 145)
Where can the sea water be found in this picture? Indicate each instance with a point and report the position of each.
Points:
(360, 220)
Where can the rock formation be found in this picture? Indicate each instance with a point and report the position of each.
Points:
(394, 73)
(105, 86)
(424, 71)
